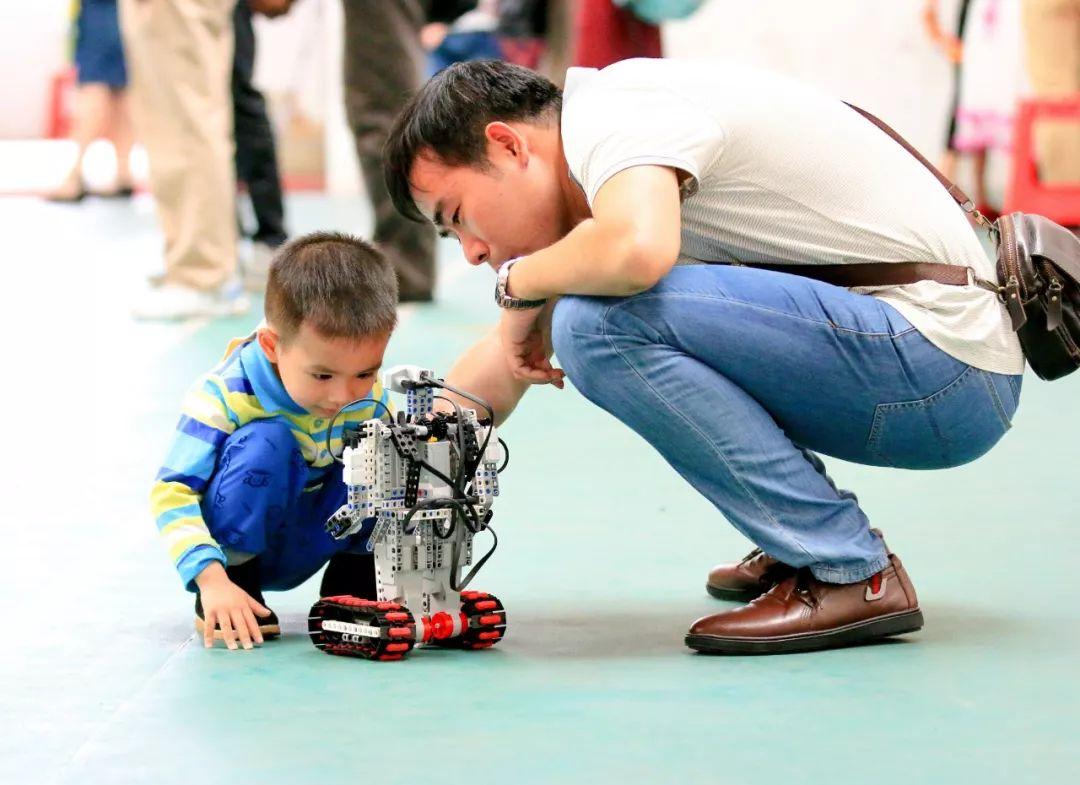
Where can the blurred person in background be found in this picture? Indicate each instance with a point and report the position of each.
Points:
(1052, 30)
(608, 32)
(460, 30)
(384, 65)
(100, 100)
(524, 29)
(992, 79)
(952, 47)
(256, 153)
(180, 61)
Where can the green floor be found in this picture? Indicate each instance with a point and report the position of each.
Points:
(602, 559)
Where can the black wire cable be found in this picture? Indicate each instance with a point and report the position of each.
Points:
(330, 427)
(506, 456)
(474, 399)
(462, 503)
(460, 438)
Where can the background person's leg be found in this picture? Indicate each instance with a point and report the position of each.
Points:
(179, 60)
(256, 154)
(90, 122)
(384, 64)
(731, 373)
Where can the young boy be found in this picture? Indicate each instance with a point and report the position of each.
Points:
(248, 483)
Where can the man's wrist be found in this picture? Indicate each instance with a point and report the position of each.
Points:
(505, 298)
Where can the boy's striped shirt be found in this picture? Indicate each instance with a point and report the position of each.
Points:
(242, 388)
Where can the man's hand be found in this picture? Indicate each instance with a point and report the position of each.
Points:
(226, 605)
(522, 337)
(270, 8)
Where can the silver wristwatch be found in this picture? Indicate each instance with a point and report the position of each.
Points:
(504, 300)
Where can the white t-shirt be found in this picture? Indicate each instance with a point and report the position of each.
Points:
(782, 173)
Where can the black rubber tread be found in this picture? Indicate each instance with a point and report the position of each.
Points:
(849, 635)
(344, 609)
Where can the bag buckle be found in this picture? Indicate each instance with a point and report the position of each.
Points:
(1011, 296)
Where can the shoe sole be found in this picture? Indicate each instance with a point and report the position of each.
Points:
(268, 630)
(735, 595)
(849, 635)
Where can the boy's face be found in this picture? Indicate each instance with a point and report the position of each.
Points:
(323, 374)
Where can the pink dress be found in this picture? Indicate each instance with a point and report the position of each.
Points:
(992, 77)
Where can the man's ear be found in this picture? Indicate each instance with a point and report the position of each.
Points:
(506, 141)
(269, 341)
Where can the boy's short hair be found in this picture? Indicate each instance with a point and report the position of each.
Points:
(340, 285)
(449, 114)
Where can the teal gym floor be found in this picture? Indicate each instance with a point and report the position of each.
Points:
(602, 561)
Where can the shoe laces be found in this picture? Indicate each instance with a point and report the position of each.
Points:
(803, 589)
(751, 556)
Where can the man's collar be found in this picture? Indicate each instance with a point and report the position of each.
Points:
(575, 78)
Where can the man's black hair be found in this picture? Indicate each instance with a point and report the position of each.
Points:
(447, 118)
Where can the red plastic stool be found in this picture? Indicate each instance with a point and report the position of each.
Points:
(1025, 193)
(61, 103)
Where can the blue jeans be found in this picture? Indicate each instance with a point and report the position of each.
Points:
(737, 376)
(256, 503)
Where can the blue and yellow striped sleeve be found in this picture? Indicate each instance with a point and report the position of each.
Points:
(205, 423)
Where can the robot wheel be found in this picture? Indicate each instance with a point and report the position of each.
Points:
(486, 622)
(371, 630)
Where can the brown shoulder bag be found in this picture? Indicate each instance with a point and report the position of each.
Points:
(1038, 269)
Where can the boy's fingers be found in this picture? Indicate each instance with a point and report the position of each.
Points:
(253, 626)
(208, 629)
(258, 608)
(227, 631)
(240, 625)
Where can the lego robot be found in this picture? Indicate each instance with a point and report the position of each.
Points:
(428, 481)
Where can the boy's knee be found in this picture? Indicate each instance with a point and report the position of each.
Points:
(256, 458)
(265, 444)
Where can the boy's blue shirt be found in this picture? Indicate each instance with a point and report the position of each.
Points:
(243, 387)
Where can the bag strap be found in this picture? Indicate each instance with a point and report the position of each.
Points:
(897, 273)
(882, 273)
(955, 191)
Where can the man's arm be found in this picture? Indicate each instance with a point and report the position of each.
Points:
(483, 370)
(630, 243)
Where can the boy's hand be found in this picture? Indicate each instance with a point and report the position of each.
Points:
(226, 605)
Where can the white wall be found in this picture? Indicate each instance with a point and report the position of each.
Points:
(33, 47)
(870, 52)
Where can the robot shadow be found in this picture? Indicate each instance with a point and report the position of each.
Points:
(600, 634)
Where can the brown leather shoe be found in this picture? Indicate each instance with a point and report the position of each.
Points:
(753, 576)
(743, 581)
(802, 613)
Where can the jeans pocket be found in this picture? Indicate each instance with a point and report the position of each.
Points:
(954, 426)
